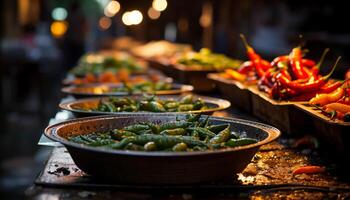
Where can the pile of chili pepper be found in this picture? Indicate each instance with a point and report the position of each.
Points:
(335, 104)
(291, 77)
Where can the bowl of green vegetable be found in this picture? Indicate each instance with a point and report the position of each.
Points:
(124, 89)
(161, 149)
(145, 104)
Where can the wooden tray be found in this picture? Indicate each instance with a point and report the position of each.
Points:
(236, 92)
(335, 133)
(162, 65)
(282, 114)
(195, 77)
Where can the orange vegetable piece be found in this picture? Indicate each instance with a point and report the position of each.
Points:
(90, 78)
(107, 77)
(123, 75)
(235, 75)
(343, 108)
(323, 99)
(311, 169)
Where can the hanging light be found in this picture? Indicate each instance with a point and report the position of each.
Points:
(112, 8)
(58, 28)
(104, 23)
(59, 13)
(152, 13)
(132, 17)
(159, 5)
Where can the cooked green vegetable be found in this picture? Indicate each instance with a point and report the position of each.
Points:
(148, 104)
(97, 64)
(148, 87)
(205, 59)
(179, 135)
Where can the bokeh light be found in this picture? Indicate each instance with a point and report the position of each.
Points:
(58, 28)
(104, 23)
(152, 13)
(112, 8)
(132, 18)
(59, 14)
(159, 5)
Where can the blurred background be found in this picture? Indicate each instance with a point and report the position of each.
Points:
(42, 39)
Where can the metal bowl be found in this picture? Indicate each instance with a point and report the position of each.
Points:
(94, 90)
(138, 167)
(77, 106)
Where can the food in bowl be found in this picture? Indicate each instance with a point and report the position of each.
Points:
(188, 135)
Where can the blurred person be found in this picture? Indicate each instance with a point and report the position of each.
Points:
(74, 40)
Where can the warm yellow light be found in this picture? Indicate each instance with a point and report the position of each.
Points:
(153, 14)
(112, 8)
(132, 18)
(206, 18)
(58, 28)
(104, 23)
(159, 5)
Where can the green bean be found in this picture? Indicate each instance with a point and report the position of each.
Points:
(223, 136)
(150, 146)
(156, 107)
(129, 108)
(187, 99)
(109, 106)
(193, 118)
(134, 147)
(240, 142)
(176, 131)
(119, 101)
(217, 128)
(173, 125)
(171, 105)
(204, 123)
(203, 132)
(121, 134)
(185, 107)
(164, 141)
(198, 104)
(180, 147)
(136, 128)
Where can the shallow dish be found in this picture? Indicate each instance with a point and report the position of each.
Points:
(93, 90)
(76, 106)
(140, 167)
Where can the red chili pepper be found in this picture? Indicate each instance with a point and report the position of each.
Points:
(295, 58)
(328, 88)
(344, 100)
(308, 63)
(305, 62)
(246, 67)
(325, 89)
(309, 170)
(266, 79)
(254, 57)
(308, 86)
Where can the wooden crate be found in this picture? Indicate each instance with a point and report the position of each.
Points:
(282, 114)
(334, 133)
(197, 78)
(234, 91)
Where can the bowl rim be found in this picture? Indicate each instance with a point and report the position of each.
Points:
(220, 104)
(51, 132)
(71, 90)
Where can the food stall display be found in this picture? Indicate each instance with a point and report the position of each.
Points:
(205, 60)
(99, 63)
